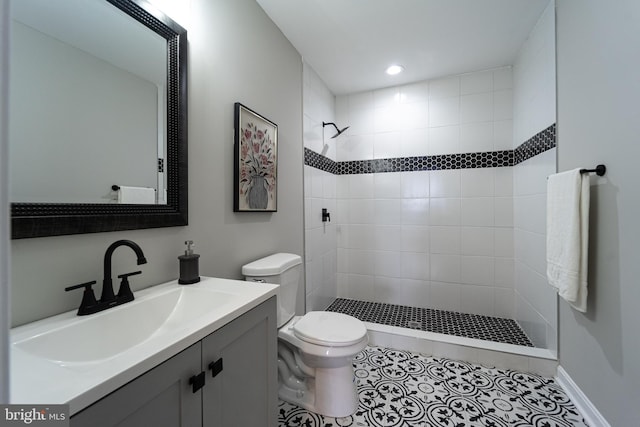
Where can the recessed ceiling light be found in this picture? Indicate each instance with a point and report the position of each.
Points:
(395, 69)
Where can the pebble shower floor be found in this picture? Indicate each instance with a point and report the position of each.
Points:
(404, 389)
(488, 328)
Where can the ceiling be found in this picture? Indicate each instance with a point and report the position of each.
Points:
(350, 43)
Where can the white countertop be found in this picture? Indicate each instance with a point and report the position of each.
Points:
(36, 380)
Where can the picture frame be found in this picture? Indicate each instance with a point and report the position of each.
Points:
(255, 162)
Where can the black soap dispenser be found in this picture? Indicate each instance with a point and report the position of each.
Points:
(189, 265)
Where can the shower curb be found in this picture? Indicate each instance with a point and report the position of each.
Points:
(490, 354)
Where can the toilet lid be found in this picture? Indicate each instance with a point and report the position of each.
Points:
(328, 328)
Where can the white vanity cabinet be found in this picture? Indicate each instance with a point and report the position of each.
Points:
(233, 371)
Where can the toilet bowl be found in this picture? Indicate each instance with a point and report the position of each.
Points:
(315, 351)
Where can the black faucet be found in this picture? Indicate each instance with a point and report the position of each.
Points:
(108, 297)
(89, 305)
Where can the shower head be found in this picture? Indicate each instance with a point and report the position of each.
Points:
(339, 131)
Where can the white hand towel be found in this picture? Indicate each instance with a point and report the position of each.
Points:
(568, 236)
(137, 195)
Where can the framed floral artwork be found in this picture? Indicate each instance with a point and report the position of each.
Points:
(256, 162)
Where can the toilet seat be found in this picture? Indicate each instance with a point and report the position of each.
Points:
(329, 329)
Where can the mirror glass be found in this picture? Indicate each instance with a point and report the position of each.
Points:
(88, 103)
(98, 103)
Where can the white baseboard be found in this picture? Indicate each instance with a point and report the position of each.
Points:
(590, 413)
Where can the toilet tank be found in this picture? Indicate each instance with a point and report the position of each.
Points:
(281, 269)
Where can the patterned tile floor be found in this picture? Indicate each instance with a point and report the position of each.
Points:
(488, 328)
(399, 388)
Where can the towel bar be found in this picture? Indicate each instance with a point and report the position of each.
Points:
(600, 170)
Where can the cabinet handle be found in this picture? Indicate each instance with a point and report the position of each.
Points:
(216, 367)
(197, 381)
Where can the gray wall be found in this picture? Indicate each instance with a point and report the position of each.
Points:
(235, 54)
(598, 110)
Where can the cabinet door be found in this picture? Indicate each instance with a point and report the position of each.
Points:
(161, 397)
(244, 392)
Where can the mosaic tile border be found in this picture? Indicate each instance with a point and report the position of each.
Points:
(539, 143)
(318, 161)
(490, 159)
(405, 389)
(496, 329)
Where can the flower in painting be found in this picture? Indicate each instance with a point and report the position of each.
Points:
(257, 158)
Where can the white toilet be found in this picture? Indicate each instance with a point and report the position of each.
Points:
(315, 351)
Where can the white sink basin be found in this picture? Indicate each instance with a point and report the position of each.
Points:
(113, 331)
(76, 360)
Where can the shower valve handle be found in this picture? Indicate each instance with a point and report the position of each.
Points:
(326, 216)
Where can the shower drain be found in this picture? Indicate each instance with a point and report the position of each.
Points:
(413, 324)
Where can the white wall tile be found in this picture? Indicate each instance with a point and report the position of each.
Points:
(445, 268)
(477, 241)
(361, 287)
(444, 211)
(445, 183)
(360, 122)
(413, 116)
(360, 101)
(386, 97)
(444, 140)
(445, 240)
(445, 296)
(477, 300)
(388, 211)
(414, 142)
(475, 137)
(478, 107)
(361, 211)
(414, 265)
(387, 263)
(477, 270)
(361, 262)
(414, 184)
(444, 112)
(342, 186)
(361, 186)
(504, 272)
(503, 181)
(478, 211)
(387, 119)
(415, 92)
(504, 304)
(477, 182)
(342, 261)
(387, 237)
(361, 236)
(503, 135)
(355, 147)
(416, 293)
(476, 82)
(414, 238)
(387, 185)
(502, 78)
(503, 210)
(444, 87)
(415, 211)
(387, 145)
(503, 242)
(503, 105)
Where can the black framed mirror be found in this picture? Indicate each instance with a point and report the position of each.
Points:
(53, 219)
